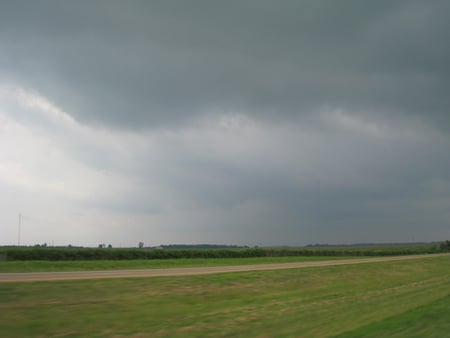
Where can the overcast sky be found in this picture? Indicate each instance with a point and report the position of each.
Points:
(229, 122)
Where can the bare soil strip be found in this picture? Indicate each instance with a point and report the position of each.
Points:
(73, 275)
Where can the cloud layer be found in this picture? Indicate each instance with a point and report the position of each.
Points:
(169, 62)
(239, 122)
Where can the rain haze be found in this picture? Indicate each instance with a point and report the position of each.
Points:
(228, 122)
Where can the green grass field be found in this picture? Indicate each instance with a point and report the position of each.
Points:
(390, 299)
(40, 266)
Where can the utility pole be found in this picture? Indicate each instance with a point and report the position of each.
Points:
(18, 232)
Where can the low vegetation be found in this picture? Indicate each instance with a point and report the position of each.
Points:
(389, 299)
(95, 265)
(65, 254)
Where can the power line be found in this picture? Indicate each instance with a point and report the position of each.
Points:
(18, 230)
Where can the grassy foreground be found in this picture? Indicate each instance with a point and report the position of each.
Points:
(390, 299)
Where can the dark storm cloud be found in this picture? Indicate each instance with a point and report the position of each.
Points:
(164, 63)
(249, 122)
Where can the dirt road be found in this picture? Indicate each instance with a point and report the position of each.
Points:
(72, 275)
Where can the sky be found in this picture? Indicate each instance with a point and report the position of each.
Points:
(245, 122)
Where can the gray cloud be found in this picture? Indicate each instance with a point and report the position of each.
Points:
(247, 122)
(165, 63)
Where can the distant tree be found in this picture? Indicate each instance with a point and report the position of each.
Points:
(141, 245)
(101, 246)
(445, 246)
(109, 246)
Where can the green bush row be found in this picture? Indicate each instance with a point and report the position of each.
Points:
(62, 254)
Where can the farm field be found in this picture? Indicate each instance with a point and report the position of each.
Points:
(82, 265)
(400, 299)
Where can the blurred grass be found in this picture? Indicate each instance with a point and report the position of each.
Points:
(430, 320)
(311, 302)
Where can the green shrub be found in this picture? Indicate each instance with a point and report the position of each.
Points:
(70, 253)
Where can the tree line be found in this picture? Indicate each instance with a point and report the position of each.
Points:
(76, 253)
